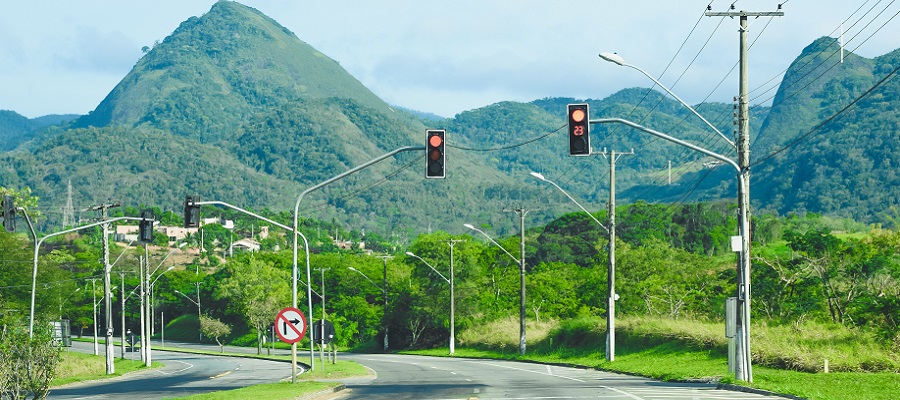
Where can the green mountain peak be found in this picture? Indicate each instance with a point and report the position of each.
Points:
(216, 70)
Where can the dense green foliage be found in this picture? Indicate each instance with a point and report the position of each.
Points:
(672, 263)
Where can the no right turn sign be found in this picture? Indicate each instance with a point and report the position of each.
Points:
(290, 325)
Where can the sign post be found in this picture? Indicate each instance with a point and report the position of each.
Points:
(290, 326)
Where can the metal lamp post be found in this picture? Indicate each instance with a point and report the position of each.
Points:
(743, 366)
(452, 299)
(611, 273)
(521, 262)
(195, 302)
(383, 290)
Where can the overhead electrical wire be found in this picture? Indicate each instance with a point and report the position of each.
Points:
(829, 119)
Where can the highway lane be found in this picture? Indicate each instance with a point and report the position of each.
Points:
(398, 377)
(418, 377)
(183, 374)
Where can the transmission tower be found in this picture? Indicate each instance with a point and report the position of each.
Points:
(68, 211)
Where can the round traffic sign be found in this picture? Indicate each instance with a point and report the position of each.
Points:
(290, 325)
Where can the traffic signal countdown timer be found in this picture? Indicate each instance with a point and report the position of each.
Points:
(434, 154)
(579, 130)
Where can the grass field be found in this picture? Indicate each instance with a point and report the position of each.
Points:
(669, 349)
(77, 367)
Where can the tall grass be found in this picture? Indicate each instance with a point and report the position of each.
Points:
(799, 347)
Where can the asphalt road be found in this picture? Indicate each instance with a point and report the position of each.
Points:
(418, 377)
(398, 377)
(183, 375)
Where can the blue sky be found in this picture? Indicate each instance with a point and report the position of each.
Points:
(444, 57)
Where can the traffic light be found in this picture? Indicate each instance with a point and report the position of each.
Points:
(579, 130)
(191, 212)
(9, 214)
(145, 227)
(434, 154)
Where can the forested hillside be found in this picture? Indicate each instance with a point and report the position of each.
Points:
(234, 107)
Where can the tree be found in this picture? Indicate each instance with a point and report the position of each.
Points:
(256, 290)
(212, 327)
(27, 364)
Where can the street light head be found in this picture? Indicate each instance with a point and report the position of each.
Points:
(351, 268)
(539, 176)
(470, 227)
(171, 268)
(409, 253)
(613, 58)
(182, 244)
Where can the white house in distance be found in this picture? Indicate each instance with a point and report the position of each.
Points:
(128, 233)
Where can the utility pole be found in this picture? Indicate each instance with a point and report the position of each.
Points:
(384, 294)
(611, 271)
(68, 210)
(521, 212)
(743, 367)
(122, 274)
(451, 243)
(322, 324)
(107, 301)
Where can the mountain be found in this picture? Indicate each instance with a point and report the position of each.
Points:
(844, 166)
(16, 129)
(234, 107)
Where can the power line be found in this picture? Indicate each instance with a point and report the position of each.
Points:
(829, 119)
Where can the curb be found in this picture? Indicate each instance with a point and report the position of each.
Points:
(745, 389)
(325, 393)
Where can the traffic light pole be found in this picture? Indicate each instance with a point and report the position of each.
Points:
(37, 247)
(312, 355)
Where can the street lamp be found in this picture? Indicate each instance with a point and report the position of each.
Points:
(384, 295)
(195, 302)
(452, 299)
(66, 300)
(742, 363)
(610, 277)
(618, 60)
(521, 263)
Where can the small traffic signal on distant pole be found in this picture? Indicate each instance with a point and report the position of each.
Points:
(9, 213)
(191, 212)
(145, 227)
(434, 154)
(579, 130)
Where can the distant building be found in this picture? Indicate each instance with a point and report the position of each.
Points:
(126, 233)
(245, 245)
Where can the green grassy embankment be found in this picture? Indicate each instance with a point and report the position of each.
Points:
(787, 359)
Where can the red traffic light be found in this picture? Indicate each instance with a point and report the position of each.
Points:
(579, 129)
(435, 156)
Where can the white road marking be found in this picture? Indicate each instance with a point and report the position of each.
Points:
(528, 370)
(189, 366)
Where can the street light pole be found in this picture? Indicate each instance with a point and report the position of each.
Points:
(312, 356)
(611, 272)
(384, 294)
(743, 365)
(521, 263)
(452, 299)
(383, 290)
(197, 303)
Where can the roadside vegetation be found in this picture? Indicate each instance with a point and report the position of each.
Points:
(77, 367)
(823, 288)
